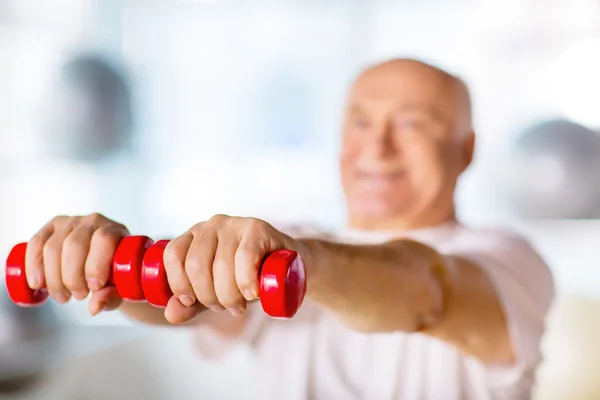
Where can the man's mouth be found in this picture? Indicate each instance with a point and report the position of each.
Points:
(381, 178)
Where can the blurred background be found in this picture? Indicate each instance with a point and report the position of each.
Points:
(160, 113)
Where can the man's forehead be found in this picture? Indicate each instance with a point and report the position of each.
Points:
(361, 106)
(409, 83)
(400, 80)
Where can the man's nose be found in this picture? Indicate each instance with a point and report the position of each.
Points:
(383, 143)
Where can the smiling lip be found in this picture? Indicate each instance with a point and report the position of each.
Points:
(381, 178)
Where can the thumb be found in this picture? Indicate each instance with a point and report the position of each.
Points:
(177, 313)
(105, 299)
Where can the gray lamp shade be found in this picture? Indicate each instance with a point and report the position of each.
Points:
(88, 115)
(553, 172)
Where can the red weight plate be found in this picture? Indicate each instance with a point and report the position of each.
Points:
(127, 267)
(154, 277)
(282, 284)
(16, 280)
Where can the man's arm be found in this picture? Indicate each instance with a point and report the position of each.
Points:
(407, 286)
(399, 286)
(225, 323)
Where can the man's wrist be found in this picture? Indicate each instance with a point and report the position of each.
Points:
(313, 254)
(306, 249)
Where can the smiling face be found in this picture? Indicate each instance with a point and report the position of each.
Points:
(406, 139)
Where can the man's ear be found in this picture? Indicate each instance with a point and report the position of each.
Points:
(468, 149)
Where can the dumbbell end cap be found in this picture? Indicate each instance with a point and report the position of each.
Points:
(16, 281)
(127, 267)
(154, 277)
(282, 284)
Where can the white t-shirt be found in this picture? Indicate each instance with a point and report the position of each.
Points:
(312, 356)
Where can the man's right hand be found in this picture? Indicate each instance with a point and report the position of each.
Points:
(73, 256)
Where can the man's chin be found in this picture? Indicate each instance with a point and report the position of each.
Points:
(378, 209)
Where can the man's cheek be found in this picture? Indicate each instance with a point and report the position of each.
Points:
(348, 161)
(349, 151)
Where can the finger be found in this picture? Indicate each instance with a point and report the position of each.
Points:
(174, 258)
(106, 299)
(34, 257)
(226, 287)
(177, 313)
(52, 265)
(103, 245)
(248, 260)
(199, 267)
(74, 253)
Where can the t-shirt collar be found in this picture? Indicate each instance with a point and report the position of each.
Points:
(427, 233)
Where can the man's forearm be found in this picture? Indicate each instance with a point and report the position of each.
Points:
(373, 288)
(398, 286)
(145, 313)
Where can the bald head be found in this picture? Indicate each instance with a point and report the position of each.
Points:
(389, 76)
(407, 138)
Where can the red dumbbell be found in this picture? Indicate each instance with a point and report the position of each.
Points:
(138, 273)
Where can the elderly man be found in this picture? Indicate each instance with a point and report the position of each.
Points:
(405, 303)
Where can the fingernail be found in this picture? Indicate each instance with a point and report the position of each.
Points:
(61, 298)
(101, 307)
(186, 300)
(80, 295)
(217, 308)
(236, 312)
(93, 284)
(249, 294)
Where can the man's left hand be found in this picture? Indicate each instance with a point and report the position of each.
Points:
(217, 262)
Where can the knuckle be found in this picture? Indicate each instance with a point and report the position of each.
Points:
(171, 256)
(59, 220)
(105, 234)
(177, 288)
(74, 241)
(73, 281)
(197, 229)
(230, 299)
(56, 286)
(196, 269)
(257, 225)
(207, 299)
(218, 219)
(245, 258)
(52, 249)
(221, 266)
(245, 251)
(95, 218)
(245, 281)
(97, 272)
(36, 242)
(255, 244)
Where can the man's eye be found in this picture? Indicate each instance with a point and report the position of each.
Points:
(359, 122)
(409, 124)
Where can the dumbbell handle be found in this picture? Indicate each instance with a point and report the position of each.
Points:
(138, 274)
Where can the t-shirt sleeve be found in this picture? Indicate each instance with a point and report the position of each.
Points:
(526, 290)
(304, 231)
